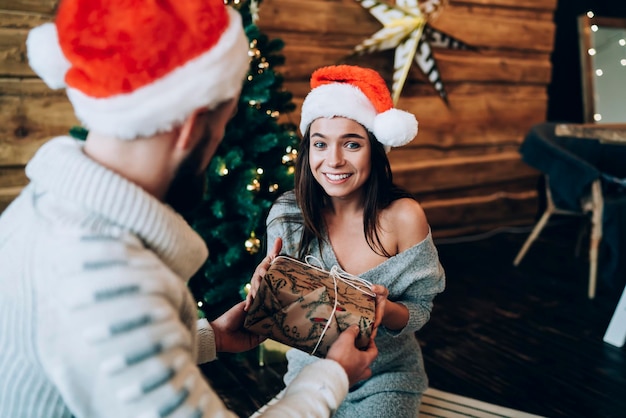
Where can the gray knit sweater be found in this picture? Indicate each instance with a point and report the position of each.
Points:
(95, 316)
(413, 277)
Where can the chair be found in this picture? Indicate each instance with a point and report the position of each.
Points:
(583, 177)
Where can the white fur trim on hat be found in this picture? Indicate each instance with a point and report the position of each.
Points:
(45, 56)
(337, 99)
(205, 81)
(392, 128)
(395, 127)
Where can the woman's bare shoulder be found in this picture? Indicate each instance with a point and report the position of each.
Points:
(405, 218)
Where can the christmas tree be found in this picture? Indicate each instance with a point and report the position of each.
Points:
(252, 166)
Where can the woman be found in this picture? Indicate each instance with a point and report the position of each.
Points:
(346, 212)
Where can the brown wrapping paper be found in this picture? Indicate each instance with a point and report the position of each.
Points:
(296, 301)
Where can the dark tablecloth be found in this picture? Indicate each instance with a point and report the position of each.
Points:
(571, 165)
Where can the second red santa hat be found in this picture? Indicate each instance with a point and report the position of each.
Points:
(359, 94)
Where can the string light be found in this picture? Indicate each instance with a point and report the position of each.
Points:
(255, 186)
(272, 113)
(259, 171)
(593, 51)
(200, 304)
(291, 155)
(604, 56)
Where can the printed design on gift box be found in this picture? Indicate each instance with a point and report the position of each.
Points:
(306, 307)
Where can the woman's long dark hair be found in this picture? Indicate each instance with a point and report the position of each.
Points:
(379, 192)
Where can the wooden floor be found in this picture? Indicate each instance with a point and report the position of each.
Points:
(525, 338)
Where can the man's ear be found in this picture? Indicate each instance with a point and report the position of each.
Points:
(185, 139)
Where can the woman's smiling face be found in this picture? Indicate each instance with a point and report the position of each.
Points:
(339, 156)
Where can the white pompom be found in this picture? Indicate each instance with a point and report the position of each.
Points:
(45, 56)
(395, 127)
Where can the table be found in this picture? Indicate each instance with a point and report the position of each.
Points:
(606, 133)
(615, 134)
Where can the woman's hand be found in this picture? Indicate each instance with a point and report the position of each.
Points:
(392, 315)
(260, 271)
(381, 303)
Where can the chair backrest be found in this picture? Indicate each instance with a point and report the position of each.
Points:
(567, 166)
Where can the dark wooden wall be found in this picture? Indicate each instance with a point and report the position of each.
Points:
(30, 113)
(463, 165)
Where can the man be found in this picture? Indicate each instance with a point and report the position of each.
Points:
(95, 316)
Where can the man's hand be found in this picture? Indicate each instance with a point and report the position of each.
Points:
(230, 335)
(260, 271)
(355, 362)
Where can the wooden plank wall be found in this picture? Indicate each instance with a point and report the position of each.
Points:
(464, 164)
(30, 113)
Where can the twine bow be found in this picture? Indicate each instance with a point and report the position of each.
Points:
(337, 273)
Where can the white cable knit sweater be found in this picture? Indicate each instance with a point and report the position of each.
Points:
(95, 316)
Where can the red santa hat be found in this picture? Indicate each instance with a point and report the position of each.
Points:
(359, 94)
(134, 68)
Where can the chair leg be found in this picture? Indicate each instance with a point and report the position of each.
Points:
(593, 267)
(596, 236)
(533, 235)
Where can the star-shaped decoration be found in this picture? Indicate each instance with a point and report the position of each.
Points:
(406, 28)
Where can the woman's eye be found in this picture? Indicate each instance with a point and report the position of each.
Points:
(353, 145)
(318, 144)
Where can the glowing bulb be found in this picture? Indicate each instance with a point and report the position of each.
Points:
(259, 170)
(591, 51)
(200, 304)
(623, 62)
(594, 28)
(590, 14)
(622, 42)
(597, 117)
(255, 186)
(599, 72)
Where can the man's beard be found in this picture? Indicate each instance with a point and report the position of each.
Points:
(186, 191)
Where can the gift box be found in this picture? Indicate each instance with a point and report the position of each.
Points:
(306, 307)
